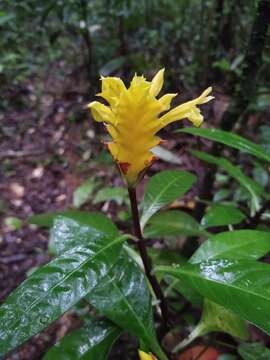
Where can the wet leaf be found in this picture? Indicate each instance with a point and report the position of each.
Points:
(92, 341)
(241, 286)
(129, 302)
(68, 233)
(95, 220)
(54, 288)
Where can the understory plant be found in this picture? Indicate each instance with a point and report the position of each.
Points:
(114, 282)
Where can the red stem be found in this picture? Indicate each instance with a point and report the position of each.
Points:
(145, 258)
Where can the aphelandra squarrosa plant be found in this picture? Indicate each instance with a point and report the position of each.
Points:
(133, 117)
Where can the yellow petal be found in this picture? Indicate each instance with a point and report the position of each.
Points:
(166, 100)
(101, 113)
(144, 356)
(111, 88)
(187, 110)
(157, 83)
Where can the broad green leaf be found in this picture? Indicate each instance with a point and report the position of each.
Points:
(238, 244)
(162, 189)
(254, 351)
(230, 139)
(216, 318)
(54, 288)
(82, 193)
(95, 220)
(254, 189)
(218, 215)
(172, 223)
(123, 297)
(92, 341)
(117, 194)
(68, 233)
(241, 286)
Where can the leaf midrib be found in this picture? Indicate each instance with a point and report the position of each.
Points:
(249, 242)
(32, 305)
(245, 291)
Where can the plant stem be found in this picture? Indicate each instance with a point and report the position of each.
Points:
(145, 258)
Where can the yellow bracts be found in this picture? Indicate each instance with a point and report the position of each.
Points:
(133, 119)
(144, 356)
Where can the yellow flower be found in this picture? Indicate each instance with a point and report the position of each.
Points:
(144, 356)
(134, 117)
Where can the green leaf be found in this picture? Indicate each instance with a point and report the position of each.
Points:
(68, 233)
(95, 220)
(172, 223)
(230, 139)
(162, 189)
(129, 302)
(117, 194)
(54, 288)
(254, 351)
(93, 341)
(218, 215)
(254, 189)
(82, 193)
(216, 318)
(241, 286)
(238, 244)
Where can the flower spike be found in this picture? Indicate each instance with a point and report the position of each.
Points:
(133, 119)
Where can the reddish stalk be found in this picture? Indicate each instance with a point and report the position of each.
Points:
(145, 257)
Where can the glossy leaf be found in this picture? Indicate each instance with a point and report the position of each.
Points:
(67, 233)
(92, 341)
(230, 139)
(254, 189)
(162, 189)
(54, 288)
(172, 223)
(238, 244)
(254, 351)
(95, 220)
(123, 297)
(218, 215)
(241, 286)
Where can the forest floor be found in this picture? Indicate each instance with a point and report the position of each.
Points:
(48, 148)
